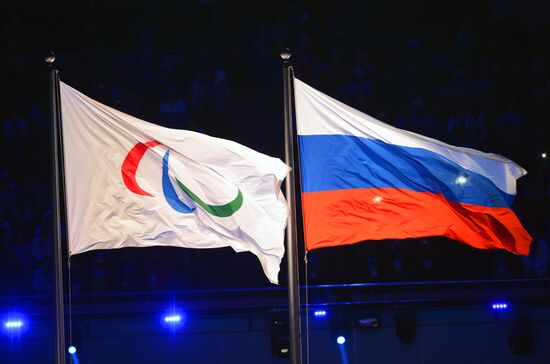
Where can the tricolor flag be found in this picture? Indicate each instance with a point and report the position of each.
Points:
(130, 183)
(366, 180)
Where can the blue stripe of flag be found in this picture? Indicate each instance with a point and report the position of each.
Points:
(334, 162)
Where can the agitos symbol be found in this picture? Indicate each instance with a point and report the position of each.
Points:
(129, 169)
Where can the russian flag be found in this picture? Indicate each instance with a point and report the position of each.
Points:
(365, 180)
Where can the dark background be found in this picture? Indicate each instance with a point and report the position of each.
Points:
(471, 73)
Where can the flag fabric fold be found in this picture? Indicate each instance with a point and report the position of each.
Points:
(130, 183)
(363, 179)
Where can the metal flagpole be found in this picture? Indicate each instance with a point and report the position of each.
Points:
(57, 248)
(295, 337)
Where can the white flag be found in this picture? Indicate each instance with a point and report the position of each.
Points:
(130, 183)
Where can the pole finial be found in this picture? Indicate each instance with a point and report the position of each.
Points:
(286, 54)
(50, 57)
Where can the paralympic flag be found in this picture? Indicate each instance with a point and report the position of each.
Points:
(365, 180)
(130, 183)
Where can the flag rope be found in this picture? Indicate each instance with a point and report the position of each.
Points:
(307, 306)
(70, 307)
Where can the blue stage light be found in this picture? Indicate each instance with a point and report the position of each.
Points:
(319, 313)
(71, 350)
(499, 306)
(340, 340)
(172, 318)
(13, 324)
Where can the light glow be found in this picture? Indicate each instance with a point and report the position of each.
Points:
(461, 180)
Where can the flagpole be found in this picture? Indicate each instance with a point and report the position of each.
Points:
(57, 248)
(295, 337)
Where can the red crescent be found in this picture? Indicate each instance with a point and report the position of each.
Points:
(130, 165)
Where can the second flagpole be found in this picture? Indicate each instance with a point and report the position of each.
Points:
(295, 336)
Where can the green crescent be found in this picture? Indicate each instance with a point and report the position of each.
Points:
(217, 210)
